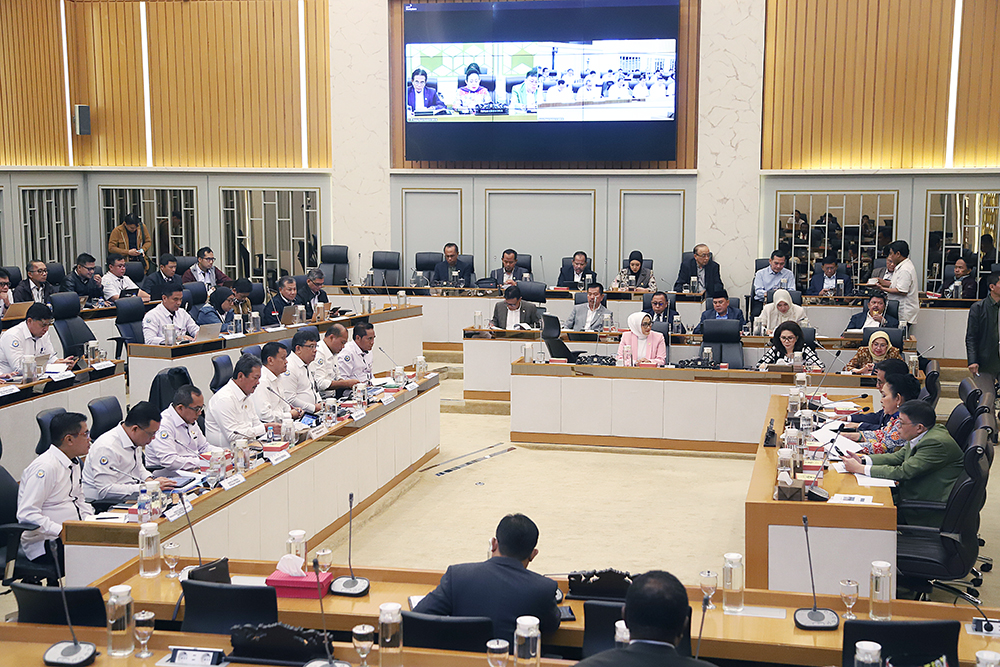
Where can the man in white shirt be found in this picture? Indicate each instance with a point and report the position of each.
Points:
(589, 91)
(168, 313)
(589, 316)
(271, 406)
(116, 280)
(179, 443)
(29, 338)
(355, 360)
(324, 367)
(297, 384)
(561, 92)
(771, 277)
(114, 466)
(231, 413)
(50, 491)
(5, 291)
(904, 282)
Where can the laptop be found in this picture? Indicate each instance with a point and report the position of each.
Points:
(17, 311)
(208, 332)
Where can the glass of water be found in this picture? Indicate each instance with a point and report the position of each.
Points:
(497, 652)
(171, 553)
(363, 637)
(144, 621)
(325, 558)
(709, 584)
(849, 594)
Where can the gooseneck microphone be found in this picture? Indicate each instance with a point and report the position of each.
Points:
(829, 368)
(387, 356)
(701, 628)
(329, 661)
(352, 586)
(127, 474)
(68, 653)
(815, 618)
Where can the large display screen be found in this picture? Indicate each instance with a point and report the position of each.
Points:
(546, 80)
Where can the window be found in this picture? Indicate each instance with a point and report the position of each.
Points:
(270, 233)
(155, 207)
(49, 224)
(960, 224)
(853, 226)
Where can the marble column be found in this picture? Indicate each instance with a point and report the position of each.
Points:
(359, 66)
(730, 106)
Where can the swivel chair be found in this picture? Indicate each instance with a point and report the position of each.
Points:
(185, 262)
(524, 261)
(723, 338)
(44, 604)
(44, 420)
(532, 291)
(932, 384)
(550, 336)
(129, 312)
(385, 269)
(899, 638)
(223, 365)
(105, 414)
(425, 263)
(447, 633)
(895, 336)
(136, 271)
(199, 296)
(56, 275)
(15, 276)
(599, 618)
(334, 264)
(73, 332)
(215, 608)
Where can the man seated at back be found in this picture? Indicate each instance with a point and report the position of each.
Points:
(658, 618)
(167, 275)
(659, 308)
(874, 315)
(824, 283)
(702, 267)
(204, 271)
(501, 587)
(514, 312)
(509, 272)
(589, 316)
(443, 271)
(116, 281)
(180, 442)
(84, 278)
(312, 293)
(721, 310)
(36, 286)
(773, 276)
(271, 315)
(575, 274)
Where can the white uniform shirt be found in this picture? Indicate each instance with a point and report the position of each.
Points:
(267, 399)
(177, 444)
(18, 342)
(159, 317)
(207, 277)
(50, 493)
(354, 363)
(324, 367)
(297, 385)
(904, 278)
(113, 285)
(513, 317)
(113, 450)
(231, 414)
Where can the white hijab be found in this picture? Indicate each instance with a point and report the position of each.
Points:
(635, 326)
(774, 317)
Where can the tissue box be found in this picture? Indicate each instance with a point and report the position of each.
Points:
(794, 491)
(287, 586)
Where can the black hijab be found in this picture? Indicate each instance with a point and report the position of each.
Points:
(633, 256)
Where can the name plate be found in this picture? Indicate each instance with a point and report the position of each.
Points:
(230, 336)
(388, 399)
(65, 375)
(358, 415)
(8, 389)
(277, 457)
(231, 482)
(410, 386)
(430, 375)
(318, 432)
(101, 365)
(177, 511)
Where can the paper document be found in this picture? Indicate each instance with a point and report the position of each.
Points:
(837, 466)
(846, 499)
(865, 480)
(56, 368)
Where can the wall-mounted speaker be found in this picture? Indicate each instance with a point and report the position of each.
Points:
(81, 118)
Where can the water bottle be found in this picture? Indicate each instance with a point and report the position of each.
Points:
(840, 287)
(296, 544)
(802, 382)
(732, 583)
(142, 506)
(622, 636)
(987, 659)
(270, 434)
(169, 334)
(526, 642)
(288, 431)
(149, 550)
(794, 401)
(797, 362)
(867, 654)
(214, 474)
(370, 278)
(120, 622)
(880, 592)
(155, 498)
(399, 376)
(806, 425)
(390, 635)
(242, 456)
(628, 361)
(607, 322)
(255, 321)
(421, 366)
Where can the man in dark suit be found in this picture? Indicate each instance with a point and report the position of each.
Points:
(874, 315)
(510, 272)
(574, 274)
(36, 286)
(659, 308)
(312, 292)
(721, 310)
(501, 587)
(824, 283)
(443, 270)
(154, 282)
(702, 267)
(420, 96)
(657, 616)
(513, 311)
(84, 279)
(271, 315)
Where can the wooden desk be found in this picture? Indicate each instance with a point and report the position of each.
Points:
(845, 539)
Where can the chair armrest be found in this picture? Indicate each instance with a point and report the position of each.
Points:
(904, 529)
(921, 505)
(17, 527)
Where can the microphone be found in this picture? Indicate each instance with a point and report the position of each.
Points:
(920, 354)
(122, 472)
(68, 653)
(320, 662)
(352, 586)
(704, 608)
(354, 306)
(983, 624)
(815, 618)
(541, 267)
(387, 356)
(823, 379)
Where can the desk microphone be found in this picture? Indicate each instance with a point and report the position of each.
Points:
(541, 267)
(68, 653)
(320, 662)
(122, 472)
(354, 306)
(815, 618)
(394, 364)
(823, 379)
(352, 586)
(983, 624)
(194, 538)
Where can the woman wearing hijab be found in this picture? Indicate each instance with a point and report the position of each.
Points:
(218, 309)
(647, 346)
(896, 390)
(781, 309)
(786, 341)
(635, 277)
(879, 348)
(472, 94)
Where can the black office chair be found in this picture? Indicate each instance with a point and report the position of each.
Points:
(256, 294)
(215, 608)
(532, 291)
(199, 295)
(796, 296)
(841, 269)
(56, 275)
(223, 365)
(568, 261)
(73, 332)
(723, 337)
(879, 263)
(524, 261)
(251, 349)
(581, 297)
(809, 337)
(136, 271)
(550, 336)
(949, 276)
(44, 604)
(447, 633)
(16, 565)
(987, 421)
(44, 419)
(165, 383)
(932, 384)
(471, 261)
(300, 282)
(899, 638)
(599, 618)
(15, 275)
(186, 298)
(425, 263)
(895, 336)
(129, 312)
(892, 308)
(334, 264)
(960, 423)
(646, 263)
(105, 414)
(971, 396)
(185, 262)
(385, 269)
(663, 328)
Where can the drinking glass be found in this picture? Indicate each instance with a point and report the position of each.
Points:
(497, 652)
(171, 552)
(325, 557)
(849, 594)
(363, 637)
(709, 584)
(143, 631)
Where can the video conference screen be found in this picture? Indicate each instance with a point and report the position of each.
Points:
(545, 80)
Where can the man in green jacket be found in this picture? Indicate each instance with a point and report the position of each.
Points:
(925, 469)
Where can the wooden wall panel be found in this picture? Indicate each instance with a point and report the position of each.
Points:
(687, 102)
(318, 82)
(32, 97)
(977, 126)
(856, 84)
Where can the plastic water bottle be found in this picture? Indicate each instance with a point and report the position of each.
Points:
(526, 642)
(880, 591)
(214, 474)
(155, 498)
(732, 583)
(628, 356)
(867, 654)
(149, 550)
(421, 366)
(142, 506)
(622, 635)
(987, 659)
(120, 622)
(270, 434)
(390, 635)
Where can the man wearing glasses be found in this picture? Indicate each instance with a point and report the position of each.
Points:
(84, 279)
(168, 314)
(36, 288)
(5, 294)
(296, 384)
(114, 468)
(702, 267)
(312, 292)
(29, 338)
(205, 272)
(179, 443)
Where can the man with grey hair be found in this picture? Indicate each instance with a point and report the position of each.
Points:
(179, 443)
(271, 315)
(312, 292)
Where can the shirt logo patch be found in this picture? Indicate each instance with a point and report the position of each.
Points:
(347, 358)
(164, 435)
(40, 474)
(104, 460)
(15, 343)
